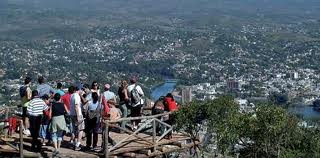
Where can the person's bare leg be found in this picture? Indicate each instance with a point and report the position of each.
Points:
(72, 139)
(78, 139)
(80, 136)
(59, 144)
(54, 139)
(27, 124)
(55, 145)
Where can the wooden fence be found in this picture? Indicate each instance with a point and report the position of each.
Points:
(153, 143)
(149, 120)
(8, 112)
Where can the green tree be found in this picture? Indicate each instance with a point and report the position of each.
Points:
(189, 119)
(270, 130)
(267, 132)
(224, 117)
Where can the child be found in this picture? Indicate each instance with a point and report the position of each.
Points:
(114, 112)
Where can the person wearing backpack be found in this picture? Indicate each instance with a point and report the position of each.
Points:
(25, 94)
(136, 97)
(92, 121)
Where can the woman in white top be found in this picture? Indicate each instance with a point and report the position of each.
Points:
(92, 121)
(95, 87)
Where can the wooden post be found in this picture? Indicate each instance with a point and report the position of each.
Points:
(6, 123)
(21, 139)
(106, 135)
(154, 135)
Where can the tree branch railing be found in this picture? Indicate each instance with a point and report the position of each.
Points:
(150, 120)
(5, 113)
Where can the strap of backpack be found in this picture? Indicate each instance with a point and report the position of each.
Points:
(135, 87)
(99, 103)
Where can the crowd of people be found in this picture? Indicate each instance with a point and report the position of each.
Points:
(50, 114)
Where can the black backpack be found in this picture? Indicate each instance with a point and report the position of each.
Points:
(23, 91)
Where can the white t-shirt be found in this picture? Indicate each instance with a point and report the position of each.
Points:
(75, 100)
(93, 106)
(140, 91)
(109, 95)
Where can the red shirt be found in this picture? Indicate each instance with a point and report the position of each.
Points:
(66, 100)
(171, 103)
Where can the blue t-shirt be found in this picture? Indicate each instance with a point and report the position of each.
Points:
(45, 89)
(93, 106)
(61, 92)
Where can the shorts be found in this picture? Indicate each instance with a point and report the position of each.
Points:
(77, 126)
(136, 111)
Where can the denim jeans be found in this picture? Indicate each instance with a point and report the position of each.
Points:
(124, 110)
(57, 136)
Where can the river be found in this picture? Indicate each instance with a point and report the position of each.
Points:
(163, 89)
(305, 112)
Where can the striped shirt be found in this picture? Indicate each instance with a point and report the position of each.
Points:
(36, 107)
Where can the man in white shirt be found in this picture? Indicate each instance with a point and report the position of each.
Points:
(77, 117)
(135, 107)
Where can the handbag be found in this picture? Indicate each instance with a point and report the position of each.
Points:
(93, 113)
(47, 114)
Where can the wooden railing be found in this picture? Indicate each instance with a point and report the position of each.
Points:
(6, 111)
(149, 120)
(152, 121)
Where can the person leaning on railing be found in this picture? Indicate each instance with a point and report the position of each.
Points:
(114, 114)
(170, 106)
(158, 108)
